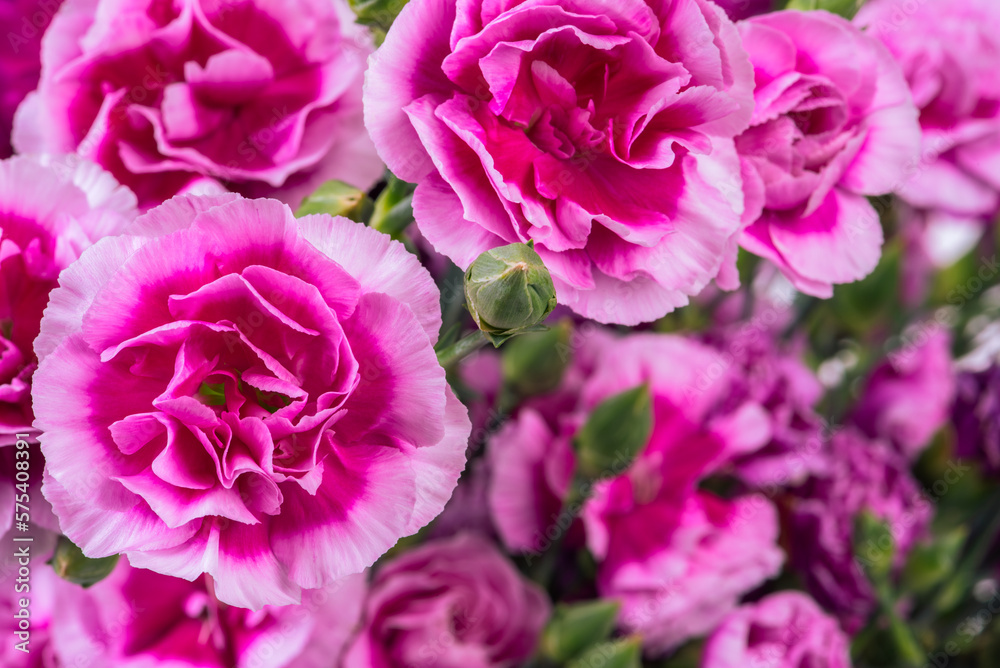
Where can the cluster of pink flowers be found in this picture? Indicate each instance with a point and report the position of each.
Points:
(241, 435)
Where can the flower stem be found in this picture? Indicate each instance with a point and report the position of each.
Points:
(461, 349)
(906, 643)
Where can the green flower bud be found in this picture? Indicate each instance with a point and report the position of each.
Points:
(70, 564)
(509, 291)
(614, 434)
(337, 198)
(574, 628)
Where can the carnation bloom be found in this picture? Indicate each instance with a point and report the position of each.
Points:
(51, 209)
(261, 94)
(833, 123)
(678, 581)
(455, 603)
(24, 21)
(783, 630)
(601, 131)
(530, 472)
(949, 51)
(681, 580)
(227, 390)
(774, 383)
(531, 457)
(865, 475)
(136, 617)
(907, 398)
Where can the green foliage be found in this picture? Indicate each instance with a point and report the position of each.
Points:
(576, 628)
(377, 14)
(337, 198)
(626, 653)
(874, 546)
(845, 8)
(393, 209)
(615, 433)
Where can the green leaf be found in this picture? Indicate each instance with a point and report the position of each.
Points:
(929, 565)
(337, 198)
(861, 304)
(377, 14)
(845, 8)
(874, 547)
(70, 564)
(576, 627)
(393, 210)
(626, 653)
(614, 434)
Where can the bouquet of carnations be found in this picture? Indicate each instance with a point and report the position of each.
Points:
(499, 333)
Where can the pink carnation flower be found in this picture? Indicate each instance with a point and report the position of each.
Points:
(949, 51)
(455, 603)
(833, 122)
(908, 397)
(864, 476)
(136, 617)
(531, 456)
(264, 95)
(227, 390)
(772, 391)
(530, 472)
(51, 209)
(783, 630)
(680, 580)
(601, 131)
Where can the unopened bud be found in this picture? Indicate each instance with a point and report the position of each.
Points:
(509, 291)
(71, 565)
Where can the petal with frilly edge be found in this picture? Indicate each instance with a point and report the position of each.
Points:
(438, 467)
(360, 510)
(420, 36)
(379, 264)
(840, 242)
